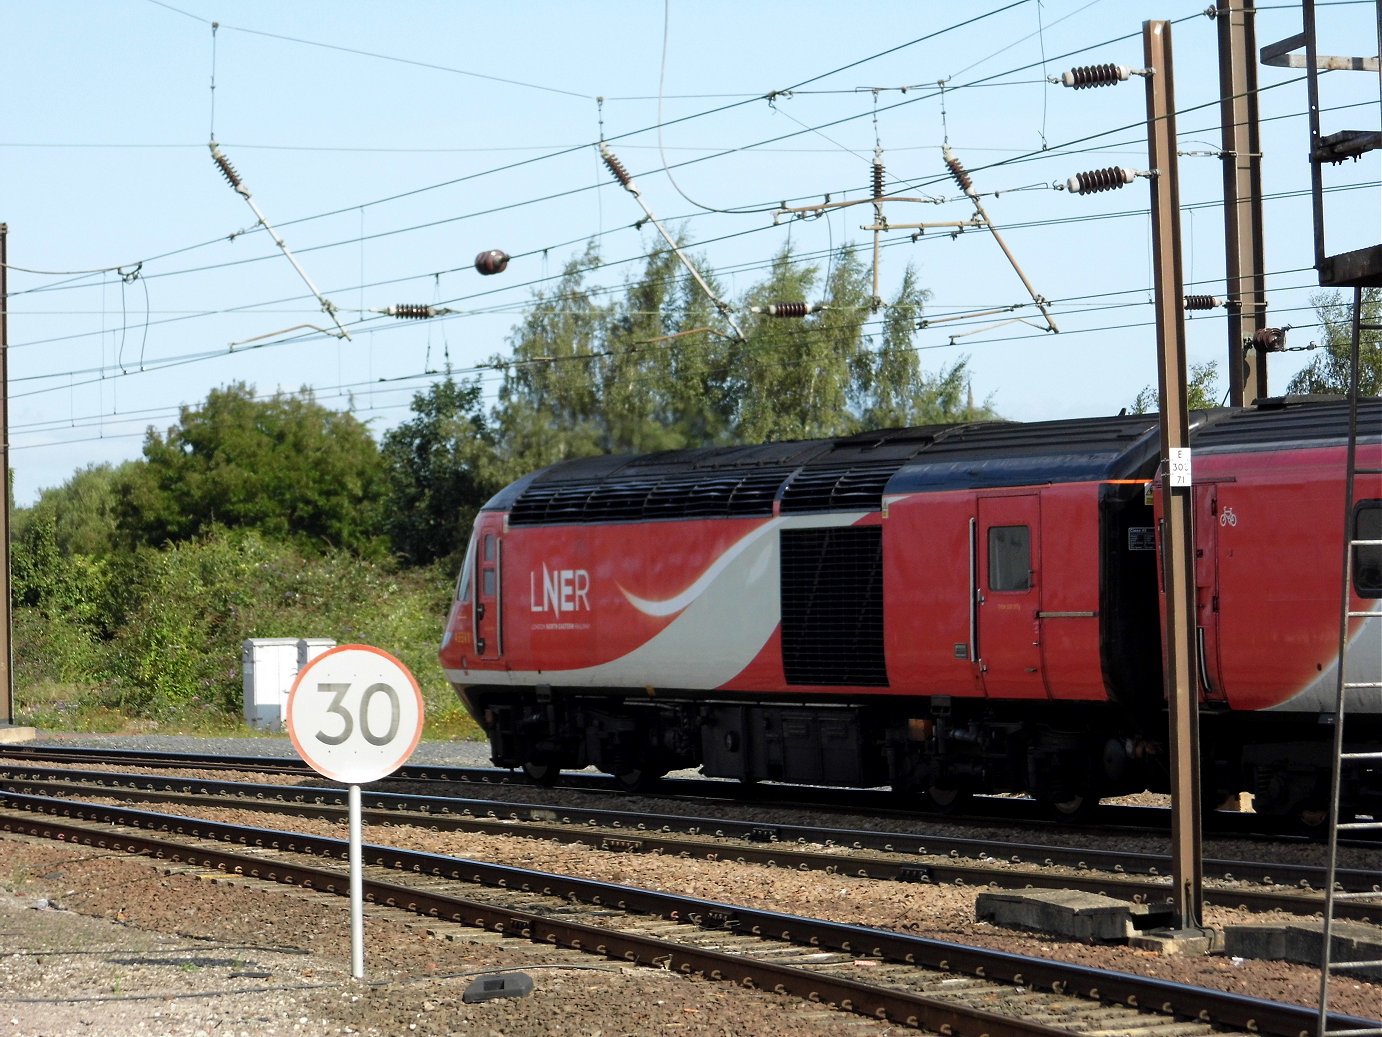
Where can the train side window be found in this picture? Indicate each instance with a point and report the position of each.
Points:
(1367, 559)
(489, 547)
(487, 582)
(1010, 558)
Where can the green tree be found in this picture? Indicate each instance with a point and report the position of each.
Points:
(441, 467)
(1201, 390)
(693, 369)
(189, 606)
(793, 376)
(894, 390)
(55, 582)
(285, 466)
(656, 368)
(644, 371)
(82, 510)
(1328, 372)
(662, 378)
(549, 401)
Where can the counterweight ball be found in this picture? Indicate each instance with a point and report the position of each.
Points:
(492, 262)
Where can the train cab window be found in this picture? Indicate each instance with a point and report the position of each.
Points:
(487, 582)
(1010, 558)
(1367, 558)
(489, 547)
(463, 581)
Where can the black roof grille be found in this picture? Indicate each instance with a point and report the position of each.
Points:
(853, 488)
(1296, 420)
(714, 494)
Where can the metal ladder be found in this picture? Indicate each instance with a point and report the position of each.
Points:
(1356, 270)
(1347, 690)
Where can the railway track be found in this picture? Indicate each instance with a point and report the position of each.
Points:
(1130, 876)
(877, 803)
(881, 974)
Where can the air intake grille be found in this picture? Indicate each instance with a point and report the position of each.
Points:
(856, 487)
(832, 606)
(712, 495)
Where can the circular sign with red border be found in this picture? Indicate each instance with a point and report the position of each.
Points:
(355, 714)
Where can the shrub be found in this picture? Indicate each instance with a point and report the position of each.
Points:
(188, 608)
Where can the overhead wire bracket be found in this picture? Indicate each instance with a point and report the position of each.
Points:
(233, 178)
(957, 170)
(621, 174)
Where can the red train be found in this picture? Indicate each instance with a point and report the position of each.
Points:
(946, 610)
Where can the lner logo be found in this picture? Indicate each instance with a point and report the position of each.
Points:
(563, 591)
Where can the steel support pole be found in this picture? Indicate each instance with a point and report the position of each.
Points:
(1181, 682)
(1242, 165)
(6, 624)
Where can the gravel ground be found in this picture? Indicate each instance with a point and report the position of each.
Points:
(118, 947)
(97, 944)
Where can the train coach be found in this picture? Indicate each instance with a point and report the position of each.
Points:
(945, 610)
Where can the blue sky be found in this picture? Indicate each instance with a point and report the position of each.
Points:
(389, 144)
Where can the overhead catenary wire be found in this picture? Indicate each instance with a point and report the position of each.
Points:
(492, 369)
(105, 373)
(1067, 219)
(1025, 156)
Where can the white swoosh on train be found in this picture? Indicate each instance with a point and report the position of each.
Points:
(671, 606)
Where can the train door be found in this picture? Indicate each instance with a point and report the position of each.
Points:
(488, 583)
(1208, 519)
(1008, 596)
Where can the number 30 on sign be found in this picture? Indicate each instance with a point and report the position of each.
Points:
(355, 714)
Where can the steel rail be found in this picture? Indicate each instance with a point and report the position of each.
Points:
(1216, 1008)
(1145, 819)
(641, 832)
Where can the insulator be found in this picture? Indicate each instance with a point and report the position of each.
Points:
(495, 261)
(1087, 76)
(788, 309)
(877, 175)
(1203, 302)
(1109, 179)
(1269, 340)
(616, 167)
(412, 310)
(957, 170)
(227, 170)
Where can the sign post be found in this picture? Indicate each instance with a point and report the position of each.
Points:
(355, 716)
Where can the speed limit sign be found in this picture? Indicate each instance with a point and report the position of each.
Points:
(355, 714)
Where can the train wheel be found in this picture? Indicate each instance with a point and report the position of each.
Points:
(947, 800)
(1075, 806)
(545, 774)
(1312, 818)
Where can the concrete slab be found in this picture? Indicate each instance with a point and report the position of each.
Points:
(1178, 941)
(1302, 941)
(1081, 916)
(9, 734)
